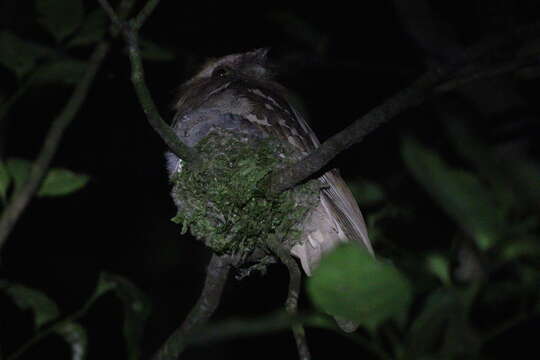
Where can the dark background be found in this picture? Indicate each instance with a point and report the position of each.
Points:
(341, 59)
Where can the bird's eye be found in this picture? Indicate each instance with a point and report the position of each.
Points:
(221, 71)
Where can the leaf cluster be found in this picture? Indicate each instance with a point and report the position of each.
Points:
(453, 308)
(48, 319)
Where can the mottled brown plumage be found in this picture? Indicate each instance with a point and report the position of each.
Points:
(237, 92)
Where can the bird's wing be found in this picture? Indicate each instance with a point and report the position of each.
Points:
(338, 211)
(340, 198)
(337, 218)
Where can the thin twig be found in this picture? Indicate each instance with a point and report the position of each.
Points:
(216, 277)
(51, 329)
(489, 72)
(110, 12)
(291, 304)
(21, 198)
(130, 31)
(146, 11)
(7, 104)
(505, 326)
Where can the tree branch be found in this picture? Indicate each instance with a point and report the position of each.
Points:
(130, 32)
(111, 13)
(21, 198)
(488, 72)
(237, 328)
(52, 328)
(216, 277)
(412, 96)
(146, 11)
(291, 304)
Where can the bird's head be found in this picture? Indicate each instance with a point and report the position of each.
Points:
(247, 70)
(250, 65)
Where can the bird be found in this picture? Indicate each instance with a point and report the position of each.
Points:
(238, 92)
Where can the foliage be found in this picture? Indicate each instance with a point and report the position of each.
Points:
(494, 230)
(459, 193)
(5, 179)
(59, 17)
(35, 64)
(61, 182)
(440, 300)
(18, 55)
(92, 30)
(48, 318)
(57, 182)
(44, 309)
(350, 273)
(137, 309)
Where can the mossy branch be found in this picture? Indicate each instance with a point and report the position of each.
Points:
(130, 31)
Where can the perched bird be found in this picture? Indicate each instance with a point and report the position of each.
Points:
(237, 93)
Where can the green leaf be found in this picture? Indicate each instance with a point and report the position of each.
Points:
(366, 192)
(136, 312)
(464, 198)
(19, 169)
(75, 335)
(439, 266)
(529, 247)
(60, 17)
(92, 30)
(5, 179)
(63, 71)
(471, 148)
(442, 328)
(154, 52)
(351, 284)
(136, 308)
(60, 182)
(104, 285)
(25, 298)
(19, 55)
(427, 329)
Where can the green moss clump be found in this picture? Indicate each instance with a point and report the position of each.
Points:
(219, 202)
